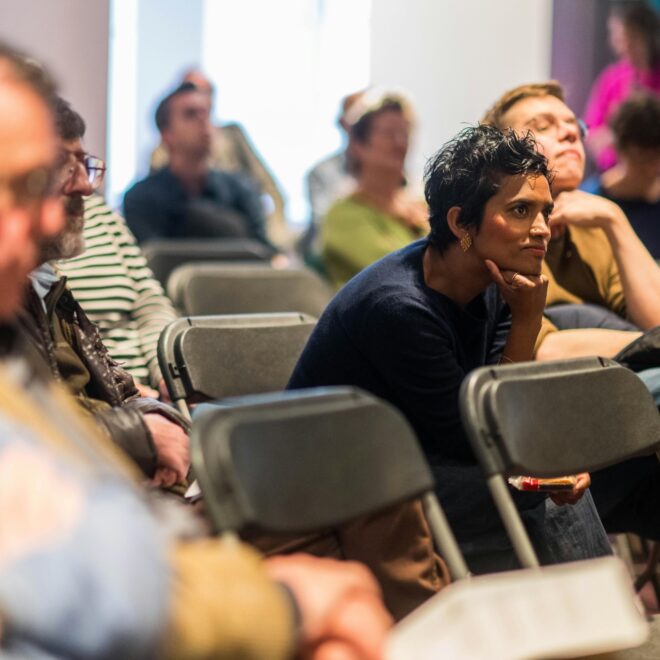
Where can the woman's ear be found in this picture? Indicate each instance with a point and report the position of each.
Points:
(453, 216)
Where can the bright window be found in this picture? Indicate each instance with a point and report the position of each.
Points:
(281, 69)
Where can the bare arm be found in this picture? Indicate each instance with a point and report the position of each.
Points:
(639, 273)
(580, 343)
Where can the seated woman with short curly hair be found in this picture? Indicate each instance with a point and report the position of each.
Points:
(411, 326)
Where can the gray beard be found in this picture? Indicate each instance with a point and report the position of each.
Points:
(69, 242)
(65, 246)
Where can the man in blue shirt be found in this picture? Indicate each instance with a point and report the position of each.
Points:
(189, 199)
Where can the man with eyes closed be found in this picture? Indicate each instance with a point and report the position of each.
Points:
(411, 326)
(594, 257)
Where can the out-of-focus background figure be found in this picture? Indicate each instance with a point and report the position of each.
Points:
(380, 215)
(634, 35)
(188, 198)
(634, 182)
(232, 151)
(333, 177)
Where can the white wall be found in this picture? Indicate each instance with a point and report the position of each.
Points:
(71, 38)
(456, 57)
(152, 42)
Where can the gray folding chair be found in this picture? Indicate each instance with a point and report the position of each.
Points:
(300, 461)
(296, 462)
(163, 256)
(247, 289)
(213, 357)
(551, 419)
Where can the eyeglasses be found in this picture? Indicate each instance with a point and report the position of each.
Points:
(94, 169)
(550, 125)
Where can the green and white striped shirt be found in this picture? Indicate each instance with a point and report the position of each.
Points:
(117, 290)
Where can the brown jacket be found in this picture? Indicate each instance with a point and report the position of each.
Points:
(221, 603)
(72, 347)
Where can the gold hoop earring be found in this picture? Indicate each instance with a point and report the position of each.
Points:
(466, 242)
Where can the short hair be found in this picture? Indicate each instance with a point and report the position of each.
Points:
(495, 114)
(164, 109)
(68, 123)
(468, 171)
(27, 70)
(636, 122)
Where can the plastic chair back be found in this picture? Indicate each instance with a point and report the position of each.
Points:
(247, 289)
(163, 256)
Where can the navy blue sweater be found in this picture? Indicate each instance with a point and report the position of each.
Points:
(390, 334)
(158, 206)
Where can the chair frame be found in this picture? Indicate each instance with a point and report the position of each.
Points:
(624, 423)
(171, 345)
(232, 506)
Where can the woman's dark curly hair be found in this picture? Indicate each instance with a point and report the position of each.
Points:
(468, 171)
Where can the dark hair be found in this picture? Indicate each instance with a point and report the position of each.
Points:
(643, 20)
(636, 123)
(468, 171)
(163, 111)
(68, 123)
(25, 69)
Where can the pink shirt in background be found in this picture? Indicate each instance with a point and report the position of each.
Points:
(612, 87)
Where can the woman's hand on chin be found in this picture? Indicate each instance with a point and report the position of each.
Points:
(524, 294)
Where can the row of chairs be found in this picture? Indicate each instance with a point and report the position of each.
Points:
(232, 276)
(249, 285)
(163, 256)
(245, 288)
(300, 461)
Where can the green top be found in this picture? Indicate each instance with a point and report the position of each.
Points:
(354, 235)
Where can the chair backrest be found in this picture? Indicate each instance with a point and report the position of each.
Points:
(551, 419)
(304, 460)
(220, 356)
(300, 461)
(163, 256)
(247, 289)
(560, 417)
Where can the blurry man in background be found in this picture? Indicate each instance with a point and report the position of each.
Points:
(233, 151)
(187, 198)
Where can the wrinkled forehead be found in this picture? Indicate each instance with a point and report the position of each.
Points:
(527, 110)
(27, 134)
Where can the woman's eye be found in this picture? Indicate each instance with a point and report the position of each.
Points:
(520, 210)
(542, 128)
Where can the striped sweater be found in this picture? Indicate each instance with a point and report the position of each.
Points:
(113, 284)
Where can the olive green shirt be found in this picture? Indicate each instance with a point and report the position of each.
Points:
(355, 235)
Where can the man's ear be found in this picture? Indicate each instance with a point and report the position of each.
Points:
(453, 216)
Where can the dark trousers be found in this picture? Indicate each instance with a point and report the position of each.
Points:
(627, 496)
